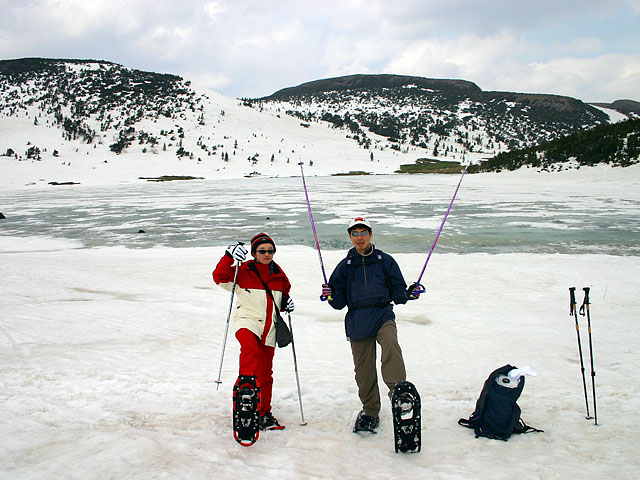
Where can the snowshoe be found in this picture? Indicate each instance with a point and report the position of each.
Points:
(405, 403)
(269, 422)
(366, 423)
(246, 415)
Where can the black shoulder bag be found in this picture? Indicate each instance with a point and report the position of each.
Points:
(283, 334)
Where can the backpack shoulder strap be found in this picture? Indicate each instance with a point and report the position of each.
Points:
(521, 427)
(466, 422)
(253, 268)
(387, 279)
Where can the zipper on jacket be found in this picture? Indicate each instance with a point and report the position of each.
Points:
(364, 271)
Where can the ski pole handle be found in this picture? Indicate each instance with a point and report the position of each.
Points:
(327, 292)
(572, 301)
(585, 302)
(237, 263)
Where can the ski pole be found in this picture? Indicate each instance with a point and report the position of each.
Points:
(226, 329)
(585, 306)
(574, 313)
(441, 226)
(295, 366)
(313, 225)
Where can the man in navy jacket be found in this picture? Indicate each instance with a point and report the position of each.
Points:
(367, 281)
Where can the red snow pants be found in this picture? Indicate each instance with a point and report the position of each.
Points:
(257, 359)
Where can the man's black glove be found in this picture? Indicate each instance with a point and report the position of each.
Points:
(414, 291)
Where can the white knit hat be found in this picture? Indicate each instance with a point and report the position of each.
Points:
(358, 221)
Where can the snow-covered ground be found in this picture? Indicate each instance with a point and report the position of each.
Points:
(110, 356)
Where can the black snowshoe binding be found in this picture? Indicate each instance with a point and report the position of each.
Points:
(366, 423)
(269, 422)
(405, 403)
(246, 414)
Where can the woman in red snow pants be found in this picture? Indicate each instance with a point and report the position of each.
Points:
(254, 318)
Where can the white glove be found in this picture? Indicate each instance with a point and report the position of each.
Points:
(237, 252)
(290, 306)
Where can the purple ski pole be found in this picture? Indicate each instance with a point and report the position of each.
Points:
(441, 226)
(313, 225)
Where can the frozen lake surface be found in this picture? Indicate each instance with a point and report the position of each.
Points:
(492, 213)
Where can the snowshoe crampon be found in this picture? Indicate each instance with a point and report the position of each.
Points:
(405, 403)
(246, 414)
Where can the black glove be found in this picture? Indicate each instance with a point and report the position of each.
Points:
(327, 292)
(414, 291)
(288, 305)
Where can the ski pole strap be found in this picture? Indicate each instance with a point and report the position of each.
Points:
(585, 302)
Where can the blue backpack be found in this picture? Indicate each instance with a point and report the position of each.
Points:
(497, 413)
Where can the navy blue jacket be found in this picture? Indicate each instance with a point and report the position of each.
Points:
(367, 284)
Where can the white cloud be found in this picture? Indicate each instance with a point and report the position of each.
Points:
(344, 55)
(166, 42)
(500, 63)
(469, 57)
(604, 78)
(214, 9)
(254, 47)
(580, 46)
(274, 35)
(77, 18)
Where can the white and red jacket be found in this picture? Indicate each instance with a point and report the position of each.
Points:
(254, 307)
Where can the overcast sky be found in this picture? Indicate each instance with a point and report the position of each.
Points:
(588, 49)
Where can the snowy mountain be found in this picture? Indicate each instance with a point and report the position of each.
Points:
(97, 115)
(449, 118)
(89, 114)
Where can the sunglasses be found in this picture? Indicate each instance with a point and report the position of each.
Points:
(364, 233)
(265, 252)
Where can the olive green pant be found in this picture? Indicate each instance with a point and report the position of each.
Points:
(364, 361)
